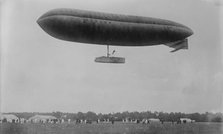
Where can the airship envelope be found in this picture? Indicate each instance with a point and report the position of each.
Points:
(113, 29)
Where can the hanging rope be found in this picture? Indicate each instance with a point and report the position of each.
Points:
(108, 51)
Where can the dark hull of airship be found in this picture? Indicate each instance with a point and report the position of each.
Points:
(110, 29)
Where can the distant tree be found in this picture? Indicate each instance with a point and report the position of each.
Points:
(81, 115)
(100, 116)
(171, 116)
(72, 116)
(4, 120)
(57, 114)
(217, 119)
(91, 115)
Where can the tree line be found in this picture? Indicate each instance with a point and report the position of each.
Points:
(119, 116)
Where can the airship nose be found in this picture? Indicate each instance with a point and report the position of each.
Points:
(42, 23)
(39, 21)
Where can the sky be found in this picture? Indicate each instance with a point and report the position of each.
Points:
(42, 74)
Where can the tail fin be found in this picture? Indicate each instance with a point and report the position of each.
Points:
(181, 44)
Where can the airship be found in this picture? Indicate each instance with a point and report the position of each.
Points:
(91, 27)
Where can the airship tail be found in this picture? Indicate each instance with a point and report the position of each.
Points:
(181, 44)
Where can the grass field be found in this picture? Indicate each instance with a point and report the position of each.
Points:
(117, 128)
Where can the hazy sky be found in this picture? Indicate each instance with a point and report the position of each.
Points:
(44, 74)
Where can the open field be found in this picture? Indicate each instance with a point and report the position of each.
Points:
(117, 128)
